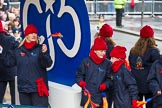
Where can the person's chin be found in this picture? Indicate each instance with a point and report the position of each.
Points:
(100, 57)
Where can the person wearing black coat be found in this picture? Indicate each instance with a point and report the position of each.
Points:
(93, 73)
(7, 74)
(155, 82)
(124, 85)
(141, 57)
(31, 59)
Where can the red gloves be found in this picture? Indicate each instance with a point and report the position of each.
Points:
(42, 89)
(134, 104)
(82, 84)
(102, 87)
(137, 104)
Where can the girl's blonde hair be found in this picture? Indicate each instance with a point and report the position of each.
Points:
(22, 42)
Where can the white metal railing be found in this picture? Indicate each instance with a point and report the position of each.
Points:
(107, 7)
(14, 4)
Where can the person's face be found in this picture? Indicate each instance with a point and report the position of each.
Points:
(16, 23)
(100, 53)
(114, 59)
(32, 37)
(17, 34)
(101, 19)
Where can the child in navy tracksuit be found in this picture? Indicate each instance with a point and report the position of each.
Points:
(125, 88)
(155, 82)
(93, 73)
(141, 57)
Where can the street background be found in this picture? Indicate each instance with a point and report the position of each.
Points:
(129, 34)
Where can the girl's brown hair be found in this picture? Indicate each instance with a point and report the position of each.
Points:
(142, 45)
(109, 40)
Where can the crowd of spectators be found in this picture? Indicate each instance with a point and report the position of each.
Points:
(10, 17)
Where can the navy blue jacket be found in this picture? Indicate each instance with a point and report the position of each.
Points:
(31, 65)
(93, 75)
(141, 73)
(9, 44)
(125, 88)
(155, 81)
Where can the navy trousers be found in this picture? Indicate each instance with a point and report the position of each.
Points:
(33, 99)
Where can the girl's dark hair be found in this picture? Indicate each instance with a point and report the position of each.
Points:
(100, 15)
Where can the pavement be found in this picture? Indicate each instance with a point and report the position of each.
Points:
(132, 24)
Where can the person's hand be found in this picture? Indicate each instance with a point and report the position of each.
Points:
(1, 49)
(134, 104)
(41, 87)
(102, 87)
(159, 92)
(44, 48)
(138, 104)
(82, 84)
